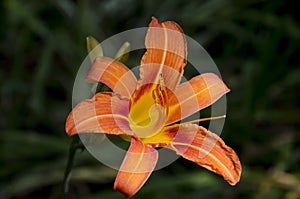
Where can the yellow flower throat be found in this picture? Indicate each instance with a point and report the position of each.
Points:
(149, 109)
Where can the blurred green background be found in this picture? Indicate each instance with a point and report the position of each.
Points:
(255, 44)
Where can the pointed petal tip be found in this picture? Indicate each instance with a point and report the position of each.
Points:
(233, 183)
(154, 22)
(69, 125)
(234, 168)
(71, 132)
(236, 179)
(227, 90)
(122, 191)
(238, 169)
(215, 78)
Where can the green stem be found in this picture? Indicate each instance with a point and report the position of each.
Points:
(74, 145)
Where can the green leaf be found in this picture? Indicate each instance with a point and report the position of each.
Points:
(93, 47)
(123, 53)
(95, 50)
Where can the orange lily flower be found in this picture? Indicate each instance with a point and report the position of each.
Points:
(147, 111)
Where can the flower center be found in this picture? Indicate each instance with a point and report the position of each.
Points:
(149, 109)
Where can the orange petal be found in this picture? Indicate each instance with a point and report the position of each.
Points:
(104, 113)
(114, 74)
(194, 95)
(166, 54)
(136, 168)
(208, 150)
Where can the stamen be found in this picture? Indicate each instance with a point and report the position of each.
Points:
(163, 91)
(159, 94)
(161, 80)
(205, 119)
